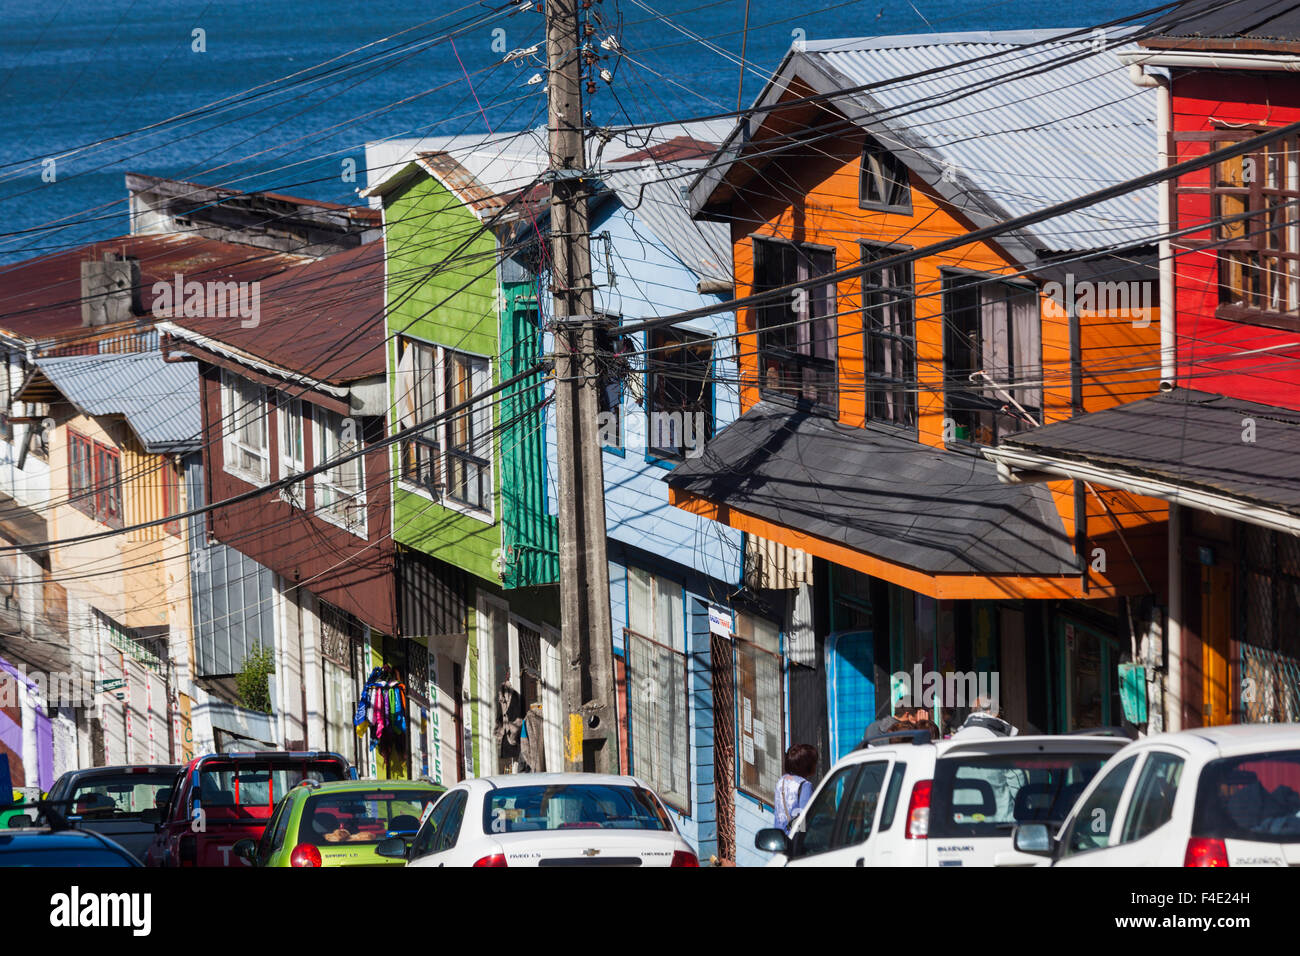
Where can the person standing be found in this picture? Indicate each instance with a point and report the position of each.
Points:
(794, 789)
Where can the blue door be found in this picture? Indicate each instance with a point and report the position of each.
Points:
(851, 689)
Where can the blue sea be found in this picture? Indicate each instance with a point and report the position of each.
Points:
(257, 94)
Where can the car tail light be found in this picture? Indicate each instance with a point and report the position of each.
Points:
(304, 854)
(1202, 851)
(918, 812)
(684, 858)
(496, 859)
(187, 851)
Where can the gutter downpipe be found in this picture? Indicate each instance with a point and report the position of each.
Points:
(1173, 641)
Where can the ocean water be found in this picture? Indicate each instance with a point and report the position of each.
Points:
(90, 91)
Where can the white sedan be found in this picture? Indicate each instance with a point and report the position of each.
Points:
(1215, 796)
(546, 819)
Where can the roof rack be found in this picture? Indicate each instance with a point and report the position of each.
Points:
(1102, 732)
(915, 737)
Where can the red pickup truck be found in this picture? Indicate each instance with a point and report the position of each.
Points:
(219, 799)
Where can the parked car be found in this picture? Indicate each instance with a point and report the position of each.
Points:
(905, 800)
(127, 792)
(546, 819)
(220, 799)
(1215, 796)
(340, 824)
(46, 846)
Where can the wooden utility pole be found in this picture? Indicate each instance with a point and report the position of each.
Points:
(587, 671)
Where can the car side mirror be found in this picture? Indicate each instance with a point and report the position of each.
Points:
(246, 849)
(1033, 838)
(394, 848)
(772, 840)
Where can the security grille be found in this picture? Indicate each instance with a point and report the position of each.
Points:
(659, 729)
(338, 628)
(724, 744)
(1270, 647)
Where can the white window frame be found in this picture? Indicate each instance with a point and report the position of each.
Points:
(330, 486)
(292, 417)
(234, 405)
(405, 417)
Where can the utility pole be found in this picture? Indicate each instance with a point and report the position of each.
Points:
(587, 665)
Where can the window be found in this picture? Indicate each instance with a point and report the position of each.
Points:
(860, 813)
(1091, 827)
(341, 490)
(817, 830)
(796, 333)
(95, 479)
(760, 705)
(572, 806)
(1153, 797)
(890, 331)
(615, 371)
(1250, 797)
(1259, 257)
(655, 648)
(452, 460)
(291, 417)
(243, 415)
(427, 839)
(362, 816)
(469, 431)
(452, 821)
(883, 181)
(170, 482)
(992, 358)
(892, 794)
(679, 397)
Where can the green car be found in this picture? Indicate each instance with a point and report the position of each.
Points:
(340, 823)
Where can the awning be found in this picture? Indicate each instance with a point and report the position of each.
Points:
(1231, 457)
(874, 499)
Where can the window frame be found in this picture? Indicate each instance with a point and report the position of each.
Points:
(329, 487)
(95, 494)
(908, 386)
(1067, 834)
(655, 369)
(170, 480)
(1126, 832)
(232, 424)
(826, 396)
(479, 416)
(873, 164)
(850, 773)
(742, 644)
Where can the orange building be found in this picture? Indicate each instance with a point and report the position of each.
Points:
(868, 399)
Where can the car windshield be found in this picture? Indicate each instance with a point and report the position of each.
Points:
(988, 795)
(572, 806)
(228, 788)
(363, 817)
(1254, 797)
(120, 796)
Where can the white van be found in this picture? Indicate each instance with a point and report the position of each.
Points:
(938, 803)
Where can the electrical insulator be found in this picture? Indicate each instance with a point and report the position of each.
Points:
(591, 87)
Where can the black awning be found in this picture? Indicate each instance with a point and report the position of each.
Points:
(880, 493)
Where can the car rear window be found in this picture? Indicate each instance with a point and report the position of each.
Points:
(988, 795)
(238, 789)
(120, 796)
(363, 817)
(1254, 797)
(572, 806)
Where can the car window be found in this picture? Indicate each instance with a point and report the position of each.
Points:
(817, 829)
(566, 806)
(363, 815)
(1153, 796)
(891, 796)
(273, 836)
(120, 796)
(451, 823)
(1251, 797)
(860, 813)
(988, 794)
(427, 839)
(1092, 824)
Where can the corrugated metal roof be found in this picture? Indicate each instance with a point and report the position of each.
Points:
(160, 400)
(703, 247)
(1028, 128)
(41, 298)
(1249, 20)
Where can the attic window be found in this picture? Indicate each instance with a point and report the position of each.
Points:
(883, 181)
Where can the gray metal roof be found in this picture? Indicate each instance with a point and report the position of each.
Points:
(662, 205)
(1262, 24)
(1189, 438)
(880, 493)
(1008, 135)
(159, 400)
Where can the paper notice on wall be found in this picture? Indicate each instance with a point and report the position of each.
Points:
(760, 735)
(747, 749)
(747, 718)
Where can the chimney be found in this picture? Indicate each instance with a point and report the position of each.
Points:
(110, 290)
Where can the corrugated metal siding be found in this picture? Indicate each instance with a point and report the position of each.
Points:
(1025, 134)
(231, 593)
(703, 247)
(431, 596)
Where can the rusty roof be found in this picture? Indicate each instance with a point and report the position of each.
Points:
(323, 320)
(365, 213)
(41, 298)
(674, 150)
